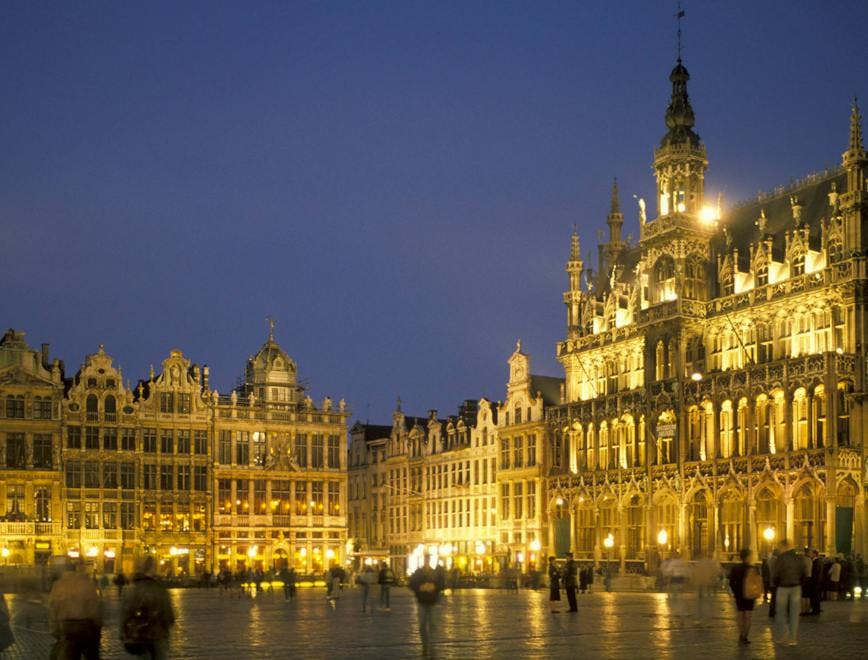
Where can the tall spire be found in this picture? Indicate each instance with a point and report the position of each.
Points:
(855, 128)
(575, 246)
(615, 205)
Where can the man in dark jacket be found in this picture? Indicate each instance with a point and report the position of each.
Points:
(147, 615)
(788, 572)
(426, 585)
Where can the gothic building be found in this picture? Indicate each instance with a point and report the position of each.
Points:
(715, 371)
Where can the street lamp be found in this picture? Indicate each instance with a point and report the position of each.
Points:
(609, 542)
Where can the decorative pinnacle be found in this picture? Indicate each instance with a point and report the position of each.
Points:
(615, 206)
(575, 246)
(271, 323)
(855, 127)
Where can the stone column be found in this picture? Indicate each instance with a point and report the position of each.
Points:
(751, 528)
(790, 512)
(830, 526)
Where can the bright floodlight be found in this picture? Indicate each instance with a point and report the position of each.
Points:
(662, 537)
(708, 214)
(609, 541)
(696, 376)
(769, 533)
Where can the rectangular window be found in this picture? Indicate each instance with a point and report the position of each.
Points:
(200, 478)
(504, 454)
(518, 451)
(110, 438)
(224, 496)
(301, 449)
(91, 474)
(109, 475)
(149, 516)
(504, 501)
(301, 498)
(14, 499)
(531, 499)
(128, 515)
(280, 497)
(184, 403)
(42, 503)
(242, 495)
(334, 498)
(15, 407)
(225, 449)
(316, 453)
(167, 402)
(260, 505)
(109, 515)
(73, 474)
(149, 441)
(183, 477)
(200, 442)
(91, 515)
(73, 437)
(183, 442)
(316, 497)
(167, 441)
(42, 408)
(260, 448)
(91, 437)
(518, 501)
(15, 450)
(128, 439)
(242, 447)
(334, 451)
(531, 450)
(167, 475)
(73, 515)
(128, 476)
(149, 476)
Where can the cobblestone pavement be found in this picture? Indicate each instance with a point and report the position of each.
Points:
(471, 623)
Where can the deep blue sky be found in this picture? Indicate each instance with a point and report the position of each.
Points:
(395, 182)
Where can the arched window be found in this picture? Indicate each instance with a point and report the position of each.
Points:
(762, 275)
(91, 406)
(110, 407)
(761, 418)
(694, 432)
(592, 446)
(819, 416)
(699, 526)
(660, 361)
(800, 419)
(664, 279)
(741, 428)
(778, 423)
(731, 524)
(635, 525)
(809, 518)
(604, 446)
(845, 389)
(768, 516)
(834, 250)
(798, 265)
(726, 429)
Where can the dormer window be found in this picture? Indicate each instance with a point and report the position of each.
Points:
(664, 279)
(798, 266)
(762, 275)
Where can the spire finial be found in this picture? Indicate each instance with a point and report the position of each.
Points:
(398, 405)
(575, 246)
(678, 16)
(271, 323)
(855, 127)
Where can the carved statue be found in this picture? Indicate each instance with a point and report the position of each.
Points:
(327, 404)
(342, 405)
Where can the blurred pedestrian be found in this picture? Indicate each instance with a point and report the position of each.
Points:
(554, 585)
(7, 639)
(787, 575)
(835, 578)
(289, 579)
(147, 615)
(746, 585)
(386, 579)
(120, 582)
(426, 586)
(367, 580)
(75, 615)
(571, 570)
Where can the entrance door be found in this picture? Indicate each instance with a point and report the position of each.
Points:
(562, 536)
(844, 529)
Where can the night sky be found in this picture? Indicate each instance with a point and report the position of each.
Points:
(396, 183)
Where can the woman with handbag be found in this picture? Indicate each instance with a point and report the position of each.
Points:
(746, 584)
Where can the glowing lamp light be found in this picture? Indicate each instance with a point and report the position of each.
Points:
(708, 214)
(173, 551)
(839, 351)
(73, 554)
(609, 542)
(4, 552)
(559, 501)
(92, 551)
(330, 554)
(446, 549)
(252, 551)
(480, 548)
(303, 552)
(519, 557)
(662, 537)
(109, 554)
(696, 376)
(769, 534)
(682, 207)
(535, 545)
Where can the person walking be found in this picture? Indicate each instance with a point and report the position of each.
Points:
(554, 585)
(75, 615)
(571, 582)
(385, 578)
(426, 586)
(835, 578)
(816, 582)
(746, 584)
(788, 572)
(773, 590)
(7, 638)
(147, 615)
(367, 579)
(289, 578)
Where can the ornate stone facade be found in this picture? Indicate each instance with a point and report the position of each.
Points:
(715, 372)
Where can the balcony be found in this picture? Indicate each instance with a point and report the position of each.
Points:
(29, 529)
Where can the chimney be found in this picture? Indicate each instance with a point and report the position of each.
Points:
(46, 363)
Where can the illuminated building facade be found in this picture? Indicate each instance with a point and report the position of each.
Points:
(169, 468)
(31, 389)
(427, 485)
(715, 372)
